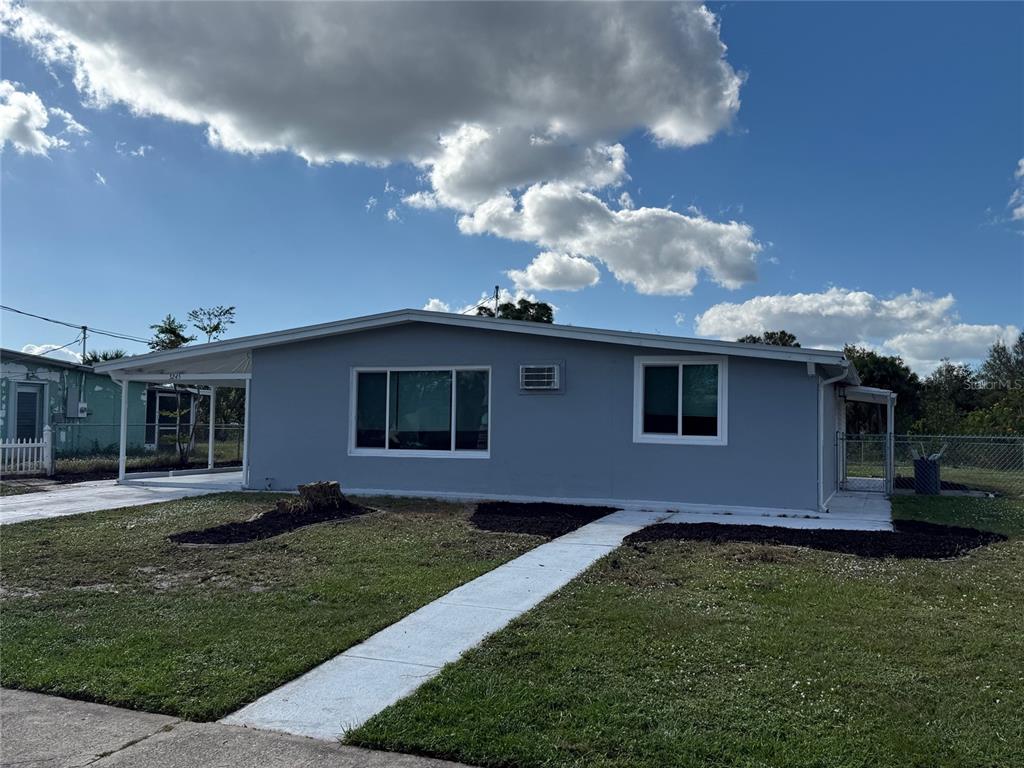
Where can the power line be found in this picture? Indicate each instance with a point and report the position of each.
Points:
(78, 326)
(487, 300)
(57, 349)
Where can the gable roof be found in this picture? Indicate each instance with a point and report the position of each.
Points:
(25, 357)
(245, 344)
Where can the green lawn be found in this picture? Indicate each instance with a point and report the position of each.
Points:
(688, 654)
(16, 488)
(102, 607)
(1004, 482)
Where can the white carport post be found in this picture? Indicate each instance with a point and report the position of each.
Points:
(890, 443)
(122, 458)
(245, 439)
(213, 417)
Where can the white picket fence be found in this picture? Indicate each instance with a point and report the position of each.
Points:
(27, 457)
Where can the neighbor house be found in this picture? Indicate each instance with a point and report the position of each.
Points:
(427, 403)
(82, 407)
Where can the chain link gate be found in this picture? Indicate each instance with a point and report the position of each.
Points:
(863, 463)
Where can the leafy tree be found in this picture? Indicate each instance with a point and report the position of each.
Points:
(887, 372)
(92, 356)
(524, 309)
(169, 333)
(1004, 367)
(212, 321)
(1003, 417)
(775, 338)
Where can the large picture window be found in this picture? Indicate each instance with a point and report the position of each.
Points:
(428, 412)
(680, 400)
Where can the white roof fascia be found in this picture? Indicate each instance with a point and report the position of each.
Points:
(368, 322)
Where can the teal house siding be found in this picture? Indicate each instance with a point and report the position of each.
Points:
(47, 392)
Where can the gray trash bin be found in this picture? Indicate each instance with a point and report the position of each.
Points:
(926, 477)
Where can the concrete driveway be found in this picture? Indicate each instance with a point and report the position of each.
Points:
(38, 731)
(76, 498)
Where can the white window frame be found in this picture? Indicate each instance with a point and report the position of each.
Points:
(640, 363)
(451, 453)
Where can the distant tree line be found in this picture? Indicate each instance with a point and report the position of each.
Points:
(953, 399)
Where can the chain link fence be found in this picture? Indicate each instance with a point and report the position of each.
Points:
(993, 464)
(92, 449)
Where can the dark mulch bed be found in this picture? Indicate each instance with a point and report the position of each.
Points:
(267, 524)
(540, 519)
(910, 539)
(907, 484)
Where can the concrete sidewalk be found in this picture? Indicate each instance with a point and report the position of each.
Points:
(346, 691)
(92, 496)
(38, 731)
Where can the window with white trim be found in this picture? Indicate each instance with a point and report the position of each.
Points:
(421, 412)
(680, 400)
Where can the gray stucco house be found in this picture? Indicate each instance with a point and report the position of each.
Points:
(435, 404)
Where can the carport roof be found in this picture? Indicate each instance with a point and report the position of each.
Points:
(232, 356)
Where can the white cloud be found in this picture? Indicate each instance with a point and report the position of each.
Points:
(475, 164)
(920, 327)
(680, 318)
(424, 200)
(122, 148)
(415, 72)
(100, 179)
(71, 125)
(555, 272)
(436, 305)
(23, 122)
(626, 201)
(392, 215)
(1016, 204)
(61, 354)
(654, 249)
(503, 106)
(371, 203)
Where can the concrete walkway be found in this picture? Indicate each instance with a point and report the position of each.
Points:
(38, 731)
(76, 498)
(346, 691)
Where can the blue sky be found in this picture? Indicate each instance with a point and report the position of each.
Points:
(873, 154)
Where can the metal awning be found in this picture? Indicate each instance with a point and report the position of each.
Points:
(221, 369)
(869, 395)
(218, 368)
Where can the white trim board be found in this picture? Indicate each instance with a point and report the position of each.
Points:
(402, 316)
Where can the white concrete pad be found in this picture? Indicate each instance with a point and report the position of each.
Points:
(349, 689)
(77, 498)
(334, 697)
(211, 481)
(513, 590)
(434, 635)
(560, 556)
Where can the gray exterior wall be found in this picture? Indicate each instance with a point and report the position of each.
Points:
(574, 445)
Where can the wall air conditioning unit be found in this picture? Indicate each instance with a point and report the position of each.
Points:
(539, 377)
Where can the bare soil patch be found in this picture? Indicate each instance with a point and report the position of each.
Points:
(317, 503)
(909, 539)
(539, 519)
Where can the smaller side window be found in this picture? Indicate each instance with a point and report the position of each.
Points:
(680, 400)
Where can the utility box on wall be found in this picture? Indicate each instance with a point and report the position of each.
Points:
(74, 406)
